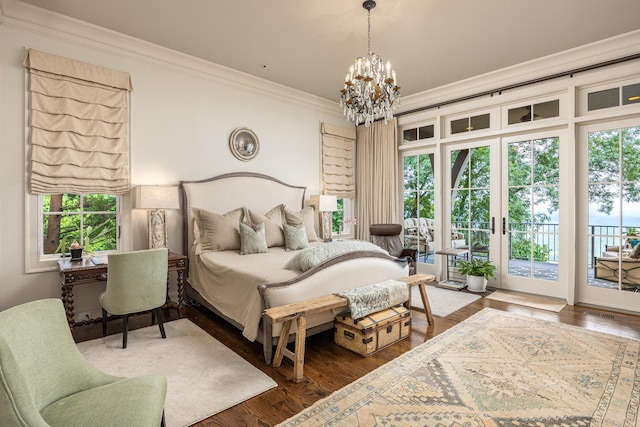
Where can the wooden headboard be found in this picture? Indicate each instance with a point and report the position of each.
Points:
(223, 193)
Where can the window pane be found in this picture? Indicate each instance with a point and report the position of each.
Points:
(460, 125)
(426, 132)
(520, 161)
(604, 154)
(411, 172)
(480, 167)
(99, 232)
(546, 160)
(546, 110)
(519, 114)
(603, 99)
(410, 135)
(481, 122)
(99, 202)
(426, 179)
(631, 94)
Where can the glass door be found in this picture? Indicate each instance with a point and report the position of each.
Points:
(471, 229)
(610, 170)
(530, 221)
(420, 205)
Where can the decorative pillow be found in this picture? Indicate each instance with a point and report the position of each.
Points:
(252, 241)
(635, 253)
(218, 232)
(272, 221)
(306, 216)
(295, 237)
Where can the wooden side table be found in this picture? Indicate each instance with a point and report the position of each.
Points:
(74, 273)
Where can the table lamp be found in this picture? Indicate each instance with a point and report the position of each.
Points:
(325, 205)
(156, 198)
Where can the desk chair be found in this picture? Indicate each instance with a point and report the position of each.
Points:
(136, 282)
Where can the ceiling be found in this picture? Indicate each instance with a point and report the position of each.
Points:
(310, 45)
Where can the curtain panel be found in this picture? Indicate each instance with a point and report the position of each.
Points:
(337, 161)
(377, 176)
(79, 118)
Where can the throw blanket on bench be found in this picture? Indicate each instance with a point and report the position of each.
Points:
(310, 257)
(373, 298)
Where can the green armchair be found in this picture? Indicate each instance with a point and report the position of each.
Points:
(45, 381)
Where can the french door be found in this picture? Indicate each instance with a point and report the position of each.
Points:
(504, 196)
(530, 221)
(609, 225)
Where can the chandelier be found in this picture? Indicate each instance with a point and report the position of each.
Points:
(370, 89)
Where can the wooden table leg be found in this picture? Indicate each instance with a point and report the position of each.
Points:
(425, 303)
(67, 299)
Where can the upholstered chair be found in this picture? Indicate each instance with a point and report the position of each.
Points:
(387, 236)
(45, 381)
(136, 282)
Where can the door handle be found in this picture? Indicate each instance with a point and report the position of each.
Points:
(504, 225)
(493, 225)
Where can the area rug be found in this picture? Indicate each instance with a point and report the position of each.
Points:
(442, 301)
(204, 377)
(495, 369)
(533, 301)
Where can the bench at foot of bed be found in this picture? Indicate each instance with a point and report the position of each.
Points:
(298, 312)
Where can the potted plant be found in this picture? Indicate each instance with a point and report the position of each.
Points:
(477, 271)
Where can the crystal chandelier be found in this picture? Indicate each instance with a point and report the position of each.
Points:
(370, 89)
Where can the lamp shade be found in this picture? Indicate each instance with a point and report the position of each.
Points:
(324, 202)
(155, 197)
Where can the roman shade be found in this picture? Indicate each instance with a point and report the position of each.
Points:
(337, 161)
(79, 126)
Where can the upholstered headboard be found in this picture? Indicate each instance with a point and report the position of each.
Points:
(223, 193)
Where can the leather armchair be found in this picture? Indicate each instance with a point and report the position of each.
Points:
(387, 236)
(45, 381)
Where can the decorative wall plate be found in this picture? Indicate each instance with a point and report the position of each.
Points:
(244, 144)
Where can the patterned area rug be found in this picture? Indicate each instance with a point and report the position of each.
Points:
(495, 369)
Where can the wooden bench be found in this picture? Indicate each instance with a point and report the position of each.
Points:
(299, 311)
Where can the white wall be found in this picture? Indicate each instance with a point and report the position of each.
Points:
(182, 113)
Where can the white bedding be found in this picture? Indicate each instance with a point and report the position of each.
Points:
(229, 281)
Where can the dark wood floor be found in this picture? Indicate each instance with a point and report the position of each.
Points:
(328, 367)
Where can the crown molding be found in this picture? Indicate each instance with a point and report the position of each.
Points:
(32, 18)
(593, 53)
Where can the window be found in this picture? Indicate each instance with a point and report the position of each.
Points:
(415, 134)
(531, 112)
(343, 221)
(91, 219)
(469, 124)
(608, 98)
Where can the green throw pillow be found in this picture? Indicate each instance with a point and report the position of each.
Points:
(295, 237)
(252, 241)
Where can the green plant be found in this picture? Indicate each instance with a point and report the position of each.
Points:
(91, 234)
(631, 232)
(477, 267)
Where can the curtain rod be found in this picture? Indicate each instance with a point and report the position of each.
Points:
(525, 83)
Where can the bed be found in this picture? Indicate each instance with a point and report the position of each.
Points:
(239, 287)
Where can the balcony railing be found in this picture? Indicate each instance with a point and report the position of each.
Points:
(546, 235)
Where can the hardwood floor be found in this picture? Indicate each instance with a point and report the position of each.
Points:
(329, 367)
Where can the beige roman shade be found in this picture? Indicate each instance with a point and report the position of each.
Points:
(337, 161)
(79, 126)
